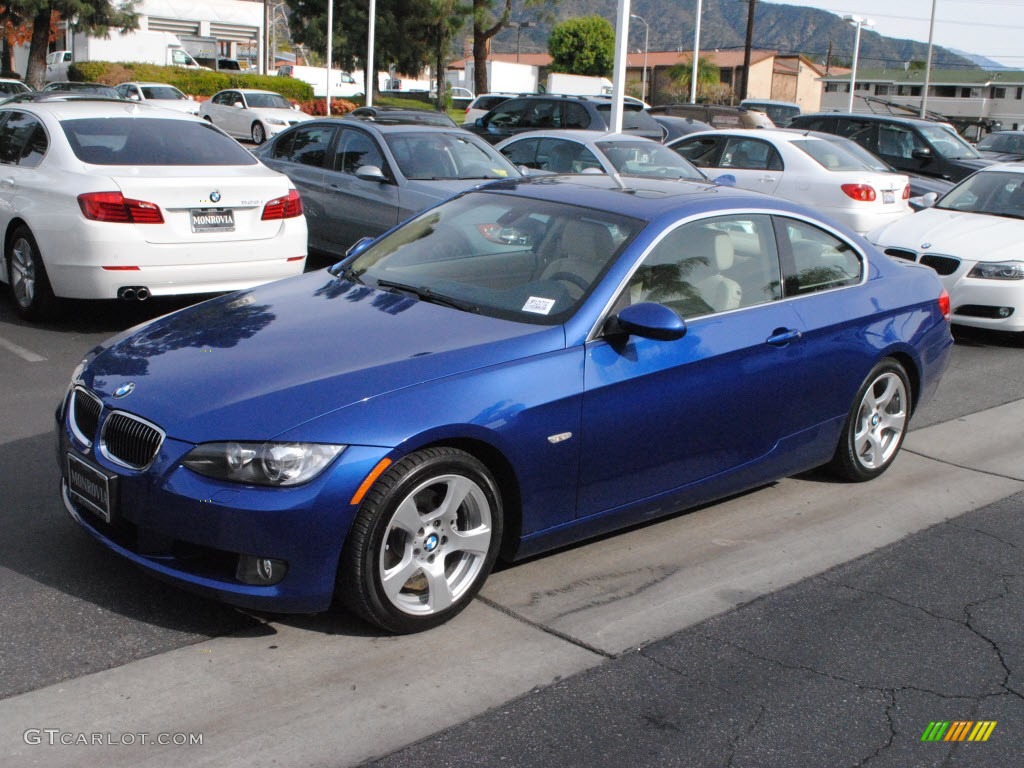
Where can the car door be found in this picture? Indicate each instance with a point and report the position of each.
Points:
(24, 186)
(301, 154)
(220, 110)
(755, 164)
(897, 144)
(661, 415)
(354, 207)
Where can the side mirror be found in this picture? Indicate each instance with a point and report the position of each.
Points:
(524, 170)
(649, 321)
(725, 180)
(922, 153)
(358, 246)
(370, 173)
(239, 105)
(926, 200)
(479, 122)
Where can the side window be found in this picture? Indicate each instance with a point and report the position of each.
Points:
(751, 154)
(35, 148)
(713, 265)
(574, 116)
(522, 152)
(309, 145)
(817, 260)
(898, 141)
(222, 99)
(541, 113)
(563, 156)
(15, 134)
(355, 149)
(861, 131)
(509, 114)
(702, 152)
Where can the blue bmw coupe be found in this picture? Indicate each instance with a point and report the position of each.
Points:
(529, 364)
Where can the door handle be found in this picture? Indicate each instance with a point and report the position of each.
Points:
(334, 188)
(767, 179)
(782, 336)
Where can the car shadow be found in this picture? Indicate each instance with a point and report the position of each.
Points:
(983, 337)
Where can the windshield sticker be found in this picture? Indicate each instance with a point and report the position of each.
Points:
(538, 305)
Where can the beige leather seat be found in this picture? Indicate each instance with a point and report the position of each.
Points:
(716, 252)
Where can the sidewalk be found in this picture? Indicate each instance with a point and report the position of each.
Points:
(625, 651)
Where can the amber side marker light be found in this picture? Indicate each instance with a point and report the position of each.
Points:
(371, 478)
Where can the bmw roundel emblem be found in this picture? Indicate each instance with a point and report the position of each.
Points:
(124, 390)
(215, 196)
(926, 246)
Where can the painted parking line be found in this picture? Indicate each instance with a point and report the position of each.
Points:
(25, 354)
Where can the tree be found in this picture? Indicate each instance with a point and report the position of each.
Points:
(583, 46)
(681, 78)
(96, 17)
(487, 22)
(401, 37)
(444, 20)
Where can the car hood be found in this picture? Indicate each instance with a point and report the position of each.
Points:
(288, 115)
(442, 189)
(253, 364)
(973, 236)
(999, 157)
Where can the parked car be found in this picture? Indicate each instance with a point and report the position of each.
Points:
(461, 97)
(11, 87)
(920, 185)
(250, 114)
(803, 168)
(483, 104)
(971, 237)
(596, 151)
(717, 115)
(781, 113)
(106, 202)
(158, 95)
(1002, 146)
(546, 112)
(403, 115)
(675, 127)
(530, 364)
(907, 143)
(361, 177)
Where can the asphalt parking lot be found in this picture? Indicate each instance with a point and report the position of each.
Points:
(805, 623)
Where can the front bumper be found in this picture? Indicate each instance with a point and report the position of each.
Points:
(192, 530)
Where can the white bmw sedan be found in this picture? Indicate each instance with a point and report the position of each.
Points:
(972, 237)
(802, 168)
(102, 199)
(250, 114)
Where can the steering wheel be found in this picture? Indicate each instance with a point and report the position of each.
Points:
(570, 277)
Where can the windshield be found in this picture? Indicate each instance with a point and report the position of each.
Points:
(830, 156)
(437, 155)
(168, 92)
(991, 192)
(532, 261)
(646, 158)
(946, 143)
(268, 101)
(1003, 142)
(152, 141)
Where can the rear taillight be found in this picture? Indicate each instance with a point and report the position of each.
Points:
(944, 307)
(862, 192)
(115, 207)
(287, 207)
(906, 192)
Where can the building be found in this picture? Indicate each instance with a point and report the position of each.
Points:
(785, 78)
(964, 97)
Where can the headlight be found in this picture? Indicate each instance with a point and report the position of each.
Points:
(276, 464)
(76, 375)
(1009, 270)
(275, 121)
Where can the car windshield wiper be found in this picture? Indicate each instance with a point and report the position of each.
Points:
(428, 295)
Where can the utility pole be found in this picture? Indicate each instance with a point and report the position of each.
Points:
(746, 49)
(828, 60)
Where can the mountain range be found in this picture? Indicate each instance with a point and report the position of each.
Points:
(788, 29)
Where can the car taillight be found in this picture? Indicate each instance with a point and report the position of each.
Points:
(115, 207)
(906, 192)
(287, 207)
(944, 307)
(863, 192)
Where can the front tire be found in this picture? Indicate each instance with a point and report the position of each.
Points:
(26, 275)
(876, 425)
(259, 134)
(423, 542)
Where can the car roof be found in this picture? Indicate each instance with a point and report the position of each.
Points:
(147, 82)
(868, 116)
(638, 197)
(781, 134)
(384, 128)
(82, 108)
(582, 136)
(248, 90)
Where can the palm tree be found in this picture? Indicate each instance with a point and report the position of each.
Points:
(708, 76)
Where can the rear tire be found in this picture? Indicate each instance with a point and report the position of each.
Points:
(26, 276)
(423, 542)
(876, 424)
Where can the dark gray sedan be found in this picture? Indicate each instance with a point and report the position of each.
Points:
(359, 178)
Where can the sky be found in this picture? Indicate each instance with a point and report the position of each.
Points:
(992, 28)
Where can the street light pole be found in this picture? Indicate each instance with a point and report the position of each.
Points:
(858, 22)
(647, 30)
(519, 31)
(696, 54)
(928, 65)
